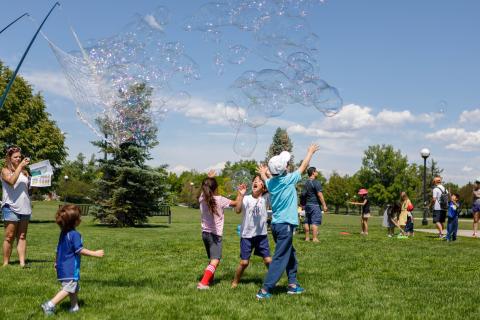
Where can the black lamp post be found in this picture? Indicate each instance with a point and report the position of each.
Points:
(425, 153)
(346, 196)
(191, 194)
(66, 189)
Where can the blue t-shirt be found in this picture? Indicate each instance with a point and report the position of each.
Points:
(283, 197)
(453, 210)
(68, 255)
(313, 187)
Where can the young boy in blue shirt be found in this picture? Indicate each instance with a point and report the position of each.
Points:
(67, 261)
(452, 216)
(283, 199)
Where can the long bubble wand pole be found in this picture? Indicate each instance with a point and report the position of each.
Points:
(7, 89)
(23, 15)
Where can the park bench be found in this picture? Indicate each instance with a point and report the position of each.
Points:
(163, 211)
(84, 208)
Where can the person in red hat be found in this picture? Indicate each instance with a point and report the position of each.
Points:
(365, 203)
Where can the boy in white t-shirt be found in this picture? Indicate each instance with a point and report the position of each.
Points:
(253, 231)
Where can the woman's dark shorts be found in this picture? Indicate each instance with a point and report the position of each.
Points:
(213, 245)
(476, 206)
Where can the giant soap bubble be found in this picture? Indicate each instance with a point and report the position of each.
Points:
(103, 75)
(105, 70)
(282, 37)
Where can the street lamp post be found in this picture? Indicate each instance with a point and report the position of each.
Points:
(66, 189)
(191, 194)
(346, 196)
(425, 153)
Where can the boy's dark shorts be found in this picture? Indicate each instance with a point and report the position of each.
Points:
(258, 243)
(213, 245)
(409, 226)
(439, 216)
(313, 214)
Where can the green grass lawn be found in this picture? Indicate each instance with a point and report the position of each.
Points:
(152, 272)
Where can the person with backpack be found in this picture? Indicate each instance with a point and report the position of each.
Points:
(439, 204)
(311, 198)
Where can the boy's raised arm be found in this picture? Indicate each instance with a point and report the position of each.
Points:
(305, 162)
(263, 171)
(91, 253)
(242, 189)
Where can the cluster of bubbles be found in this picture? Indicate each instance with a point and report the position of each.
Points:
(240, 177)
(104, 77)
(282, 37)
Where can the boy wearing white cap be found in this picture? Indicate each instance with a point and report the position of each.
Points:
(283, 197)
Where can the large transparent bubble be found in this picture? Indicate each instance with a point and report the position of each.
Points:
(103, 75)
(245, 141)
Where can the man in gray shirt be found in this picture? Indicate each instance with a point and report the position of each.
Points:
(439, 209)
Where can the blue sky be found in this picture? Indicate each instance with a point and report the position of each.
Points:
(393, 63)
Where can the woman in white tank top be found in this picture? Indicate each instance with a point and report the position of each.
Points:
(16, 205)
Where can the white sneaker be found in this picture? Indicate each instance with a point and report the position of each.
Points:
(201, 286)
(74, 309)
(47, 309)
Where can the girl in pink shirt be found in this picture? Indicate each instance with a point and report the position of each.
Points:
(211, 207)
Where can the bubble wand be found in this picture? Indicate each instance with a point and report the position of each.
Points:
(23, 15)
(7, 89)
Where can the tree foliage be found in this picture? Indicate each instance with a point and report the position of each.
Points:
(385, 172)
(338, 190)
(280, 142)
(25, 122)
(128, 190)
(79, 186)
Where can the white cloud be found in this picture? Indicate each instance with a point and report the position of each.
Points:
(467, 169)
(350, 117)
(470, 116)
(212, 113)
(457, 139)
(317, 132)
(48, 81)
(217, 167)
(355, 117)
(178, 169)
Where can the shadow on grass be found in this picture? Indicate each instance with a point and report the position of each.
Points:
(34, 263)
(140, 226)
(257, 281)
(244, 281)
(41, 221)
(125, 283)
(65, 305)
(280, 290)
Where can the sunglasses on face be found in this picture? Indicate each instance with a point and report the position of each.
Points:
(12, 150)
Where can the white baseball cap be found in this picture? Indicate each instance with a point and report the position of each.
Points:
(278, 164)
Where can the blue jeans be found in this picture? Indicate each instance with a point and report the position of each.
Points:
(284, 258)
(452, 227)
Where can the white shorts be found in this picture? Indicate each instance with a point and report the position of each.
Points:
(71, 286)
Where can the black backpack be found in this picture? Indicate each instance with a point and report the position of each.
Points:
(443, 200)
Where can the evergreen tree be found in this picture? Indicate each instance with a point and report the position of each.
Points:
(128, 190)
(280, 142)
